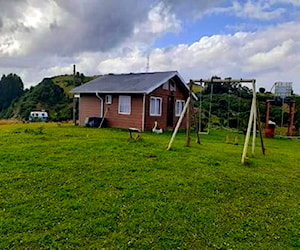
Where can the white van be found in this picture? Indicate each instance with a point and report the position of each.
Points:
(38, 116)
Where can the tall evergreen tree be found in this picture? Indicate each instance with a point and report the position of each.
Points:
(11, 87)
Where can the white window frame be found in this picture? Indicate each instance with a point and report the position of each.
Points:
(177, 110)
(152, 113)
(108, 99)
(124, 100)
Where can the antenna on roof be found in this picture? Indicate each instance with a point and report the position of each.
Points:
(148, 62)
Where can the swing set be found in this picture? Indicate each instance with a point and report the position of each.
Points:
(231, 115)
(253, 121)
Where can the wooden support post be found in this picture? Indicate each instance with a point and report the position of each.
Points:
(244, 155)
(254, 118)
(189, 116)
(179, 122)
(250, 123)
(260, 131)
(282, 115)
(267, 113)
(291, 118)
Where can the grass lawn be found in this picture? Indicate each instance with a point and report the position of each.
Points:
(71, 187)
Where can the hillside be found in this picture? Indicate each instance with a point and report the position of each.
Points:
(51, 94)
(67, 81)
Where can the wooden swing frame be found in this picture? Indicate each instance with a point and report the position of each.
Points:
(252, 123)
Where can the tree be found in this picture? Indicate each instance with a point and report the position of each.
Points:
(11, 87)
(262, 90)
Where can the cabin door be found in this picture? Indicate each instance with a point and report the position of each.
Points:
(170, 112)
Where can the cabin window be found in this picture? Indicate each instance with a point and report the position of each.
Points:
(124, 104)
(155, 106)
(108, 99)
(179, 107)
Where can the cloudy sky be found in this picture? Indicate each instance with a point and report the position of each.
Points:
(199, 38)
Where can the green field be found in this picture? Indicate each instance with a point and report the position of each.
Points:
(78, 188)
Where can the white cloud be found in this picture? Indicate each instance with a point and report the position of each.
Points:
(258, 10)
(191, 9)
(130, 54)
(270, 59)
(44, 38)
(9, 46)
(269, 56)
(160, 20)
(22, 30)
(261, 10)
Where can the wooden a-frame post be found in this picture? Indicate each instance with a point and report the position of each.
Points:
(252, 121)
(179, 122)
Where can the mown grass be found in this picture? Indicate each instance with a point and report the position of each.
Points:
(70, 187)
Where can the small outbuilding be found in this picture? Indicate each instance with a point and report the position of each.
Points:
(134, 100)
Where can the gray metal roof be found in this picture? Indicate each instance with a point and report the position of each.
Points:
(128, 83)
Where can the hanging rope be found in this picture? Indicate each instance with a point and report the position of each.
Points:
(239, 106)
(201, 111)
(228, 111)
